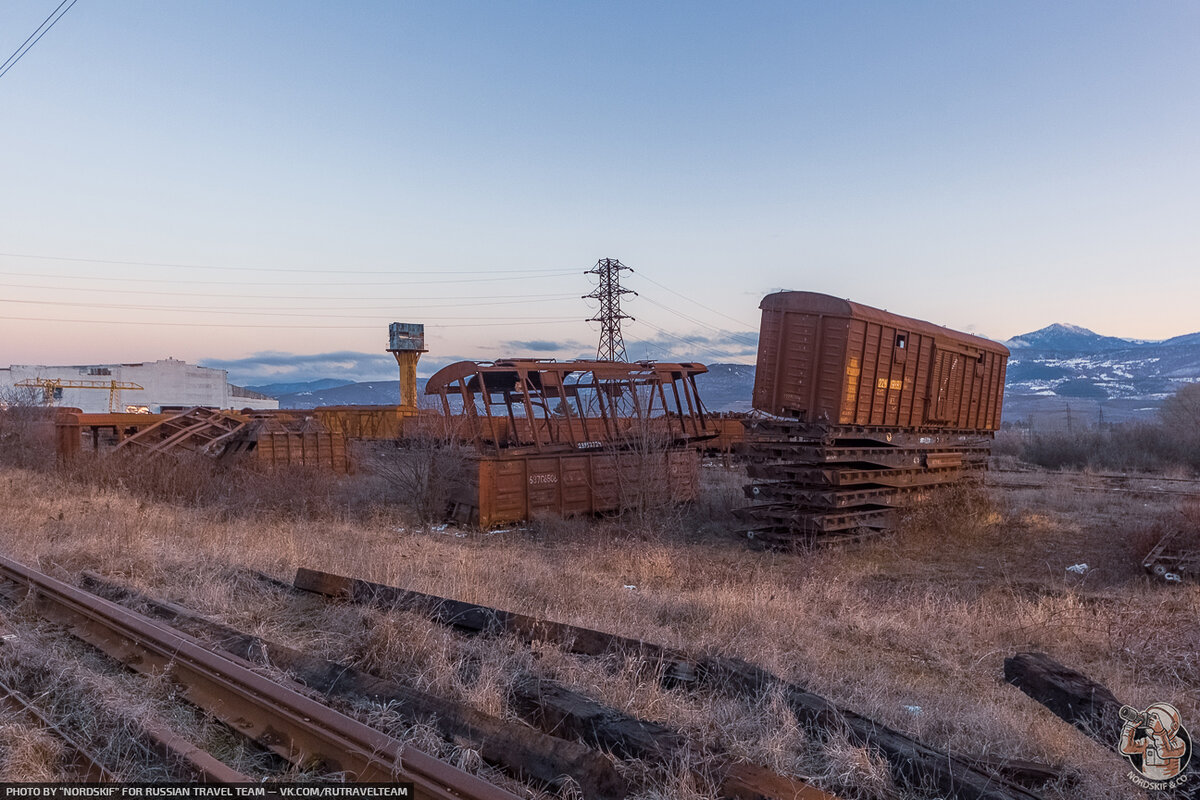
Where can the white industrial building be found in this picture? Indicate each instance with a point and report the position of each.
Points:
(167, 384)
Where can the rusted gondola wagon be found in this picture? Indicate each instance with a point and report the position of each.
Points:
(861, 410)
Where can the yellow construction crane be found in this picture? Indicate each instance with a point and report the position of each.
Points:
(52, 388)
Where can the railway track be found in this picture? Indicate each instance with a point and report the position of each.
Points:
(555, 749)
(912, 763)
(1107, 483)
(80, 762)
(296, 727)
(205, 660)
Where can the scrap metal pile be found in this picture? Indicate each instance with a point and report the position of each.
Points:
(860, 412)
(199, 430)
(574, 437)
(270, 439)
(1174, 558)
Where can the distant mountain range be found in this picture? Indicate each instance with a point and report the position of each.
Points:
(281, 389)
(726, 387)
(1058, 377)
(330, 392)
(1064, 375)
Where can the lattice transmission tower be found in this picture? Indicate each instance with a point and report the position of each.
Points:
(608, 293)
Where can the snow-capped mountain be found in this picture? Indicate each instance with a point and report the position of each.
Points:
(1070, 370)
(1071, 338)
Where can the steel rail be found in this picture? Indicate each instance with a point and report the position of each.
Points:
(296, 727)
(173, 747)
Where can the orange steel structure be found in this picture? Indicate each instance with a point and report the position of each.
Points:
(513, 487)
(574, 437)
(406, 341)
(271, 439)
(552, 405)
(364, 422)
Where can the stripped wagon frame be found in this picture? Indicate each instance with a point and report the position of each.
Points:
(551, 405)
(576, 437)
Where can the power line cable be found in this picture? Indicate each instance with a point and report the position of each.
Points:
(19, 53)
(233, 283)
(383, 310)
(232, 268)
(242, 296)
(511, 323)
(35, 30)
(690, 300)
(744, 338)
(690, 341)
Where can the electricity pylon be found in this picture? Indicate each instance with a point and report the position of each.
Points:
(608, 292)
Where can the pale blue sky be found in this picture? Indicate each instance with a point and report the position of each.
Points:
(989, 166)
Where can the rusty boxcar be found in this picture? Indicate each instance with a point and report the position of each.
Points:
(861, 411)
(821, 358)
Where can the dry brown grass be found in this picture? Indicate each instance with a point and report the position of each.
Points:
(910, 629)
(29, 754)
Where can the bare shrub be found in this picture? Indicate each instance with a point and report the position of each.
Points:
(1009, 443)
(1172, 442)
(1181, 411)
(1058, 451)
(423, 472)
(954, 513)
(1144, 447)
(1180, 415)
(232, 490)
(650, 468)
(26, 429)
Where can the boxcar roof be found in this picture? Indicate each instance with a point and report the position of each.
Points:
(817, 303)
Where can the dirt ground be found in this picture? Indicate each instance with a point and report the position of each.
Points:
(911, 629)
